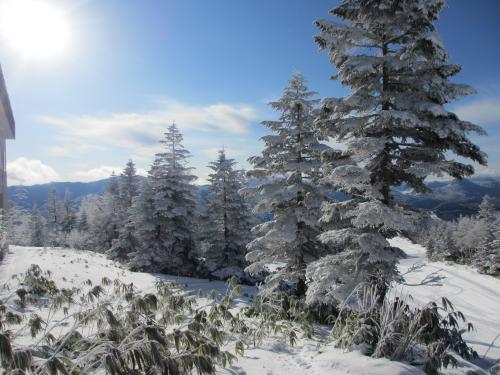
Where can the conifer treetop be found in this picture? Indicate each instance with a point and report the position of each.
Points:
(394, 121)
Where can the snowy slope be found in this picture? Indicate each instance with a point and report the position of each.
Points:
(476, 295)
(274, 357)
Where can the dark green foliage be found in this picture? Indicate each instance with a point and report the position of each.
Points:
(6, 354)
(279, 314)
(35, 325)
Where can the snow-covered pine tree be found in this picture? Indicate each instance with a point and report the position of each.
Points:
(87, 233)
(227, 222)
(82, 222)
(52, 208)
(114, 206)
(101, 214)
(128, 184)
(36, 228)
(125, 243)
(395, 126)
(17, 224)
(487, 210)
(67, 217)
(487, 258)
(144, 249)
(173, 249)
(289, 170)
(4, 244)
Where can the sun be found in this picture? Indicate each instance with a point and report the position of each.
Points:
(34, 28)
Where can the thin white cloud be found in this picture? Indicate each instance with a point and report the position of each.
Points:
(72, 148)
(140, 130)
(489, 171)
(60, 151)
(24, 171)
(99, 173)
(482, 112)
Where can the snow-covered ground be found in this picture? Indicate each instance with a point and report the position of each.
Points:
(477, 296)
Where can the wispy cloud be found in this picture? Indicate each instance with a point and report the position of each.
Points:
(99, 173)
(482, 112)
(94, 174)
(24, 171)
(138, 130)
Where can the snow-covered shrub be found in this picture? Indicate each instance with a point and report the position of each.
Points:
(110, 327)
(392, 328)
(79, 240)
(278, 313)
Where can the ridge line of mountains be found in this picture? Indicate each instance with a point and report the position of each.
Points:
(449, 199)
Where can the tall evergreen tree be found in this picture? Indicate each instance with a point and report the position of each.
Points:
(144, 248)
(17, 225)
(289, 170)
(227, 222)
(487, 258)
(4, 244)
(112, 211)
(395, 125)
(173, 248)
(125, 243)
(36, 228)
(67, 217)
(52, 207)
(129, 184)
(487, 209)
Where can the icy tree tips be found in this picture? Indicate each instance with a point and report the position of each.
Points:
(289, 169)
(395, 120)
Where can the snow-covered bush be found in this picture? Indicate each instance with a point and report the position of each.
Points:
(278, 313)
(425, 336)
(111, 327)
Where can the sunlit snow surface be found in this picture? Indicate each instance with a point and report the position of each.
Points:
(477, 296)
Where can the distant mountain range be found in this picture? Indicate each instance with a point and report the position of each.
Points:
(449, 199)
(25, 196)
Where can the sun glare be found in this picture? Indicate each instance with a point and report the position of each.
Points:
(35, 28)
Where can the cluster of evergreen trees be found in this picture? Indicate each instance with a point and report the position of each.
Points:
(394, 128)
(473, 240)
(152, 224)
(51, 227)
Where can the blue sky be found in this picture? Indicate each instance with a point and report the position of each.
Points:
(134, 66)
